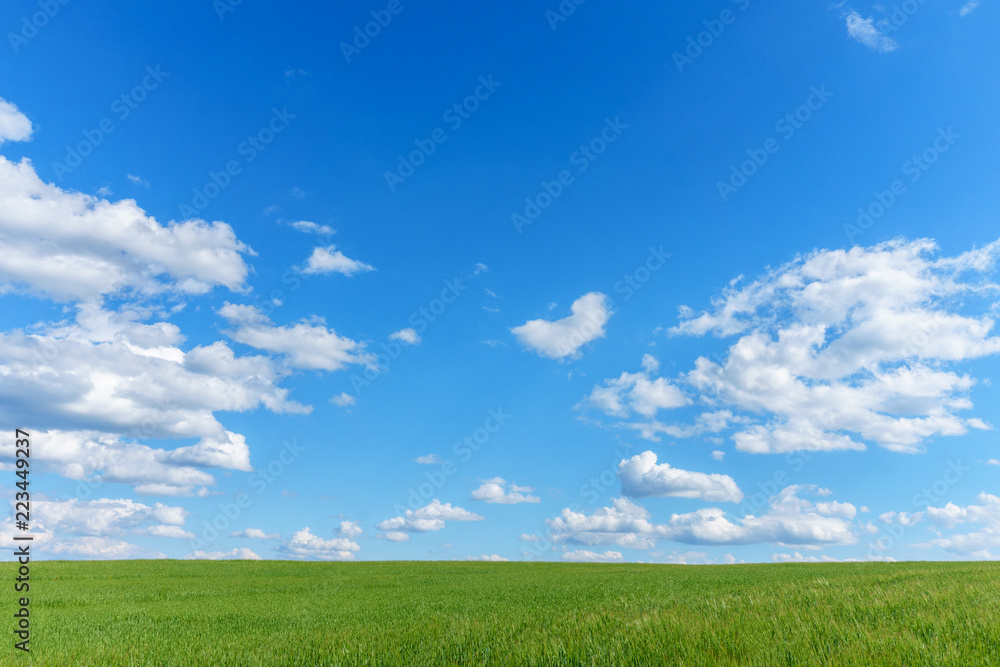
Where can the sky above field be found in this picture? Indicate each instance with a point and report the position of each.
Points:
(536, 281)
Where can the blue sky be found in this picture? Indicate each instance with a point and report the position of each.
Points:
(700, 284)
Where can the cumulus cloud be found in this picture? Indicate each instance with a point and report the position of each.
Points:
(331, 260)
(564, 338)
(427, 518)
(491, 558)
(93, 247)
(584, 556)
(408, 336)
(497, 490)
(790, 520)
(839, 348)
(255, 534)
(344, 400)
(307, 227)
(239, 553)
(86, 527)
(306, 345)
(981, 543)
(641, 477)
(637, 393)
(906, 519)
(350, 529)
(865, 30)
(304, 544)
(14, 125)
(105, 381)
(797, 557)
(429, 459)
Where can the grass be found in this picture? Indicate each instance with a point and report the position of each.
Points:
(457, 613)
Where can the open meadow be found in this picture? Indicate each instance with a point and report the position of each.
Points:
(466, 613)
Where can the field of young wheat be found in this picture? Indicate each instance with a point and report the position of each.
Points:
(465, 613)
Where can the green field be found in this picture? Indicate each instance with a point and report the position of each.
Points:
(466, 613)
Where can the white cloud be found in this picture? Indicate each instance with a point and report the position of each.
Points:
(72, 246)
(834, 508)
(993, 462)
(256, 534)
(106, 380)
(14, 125)
(841, 347)
(138, 180)
(584, 556)
(106, 517)
(799, 558)
(344, 400)
(497, 490)
(99, 548)
(239, 553)
(641, 476)
(718, 454)
(304, 544)
(427, 518)
(906, 519)
(982, 543)
(968, 7)
(350, 529)
(308, 227)
(564, 338)
(429, 459)
(865, 31)
(396, 536)
(408, 336)
(306, 345)
(525, 537)
(636, 392)
(790, 520)
(491, 558)
(331, 260)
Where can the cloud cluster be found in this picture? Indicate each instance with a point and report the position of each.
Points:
(497, 490)
(93, 247)
(307, 345)
(421, 520)
(842, 347)
(790, 520)
(305, 545)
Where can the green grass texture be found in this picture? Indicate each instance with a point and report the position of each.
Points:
(466, 613)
